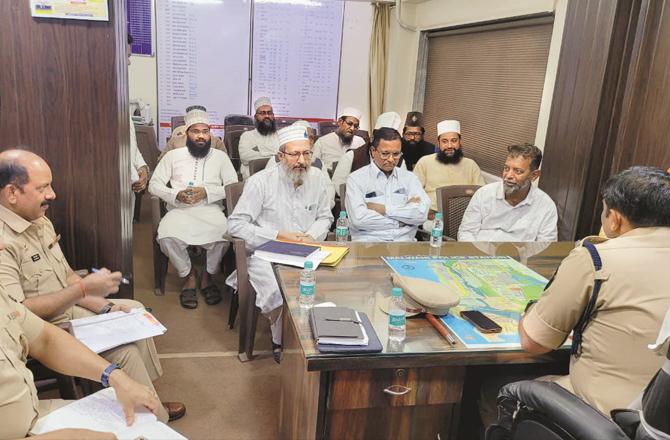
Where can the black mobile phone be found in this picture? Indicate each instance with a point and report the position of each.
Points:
(483, 323)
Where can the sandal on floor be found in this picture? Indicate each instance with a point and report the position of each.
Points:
(276, 352)
(212, 294)
(188, 299)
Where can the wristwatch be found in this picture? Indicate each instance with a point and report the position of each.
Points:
(529, 305)
(104, 379)
(106, 308)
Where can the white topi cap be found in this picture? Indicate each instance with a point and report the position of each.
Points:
(349, 111)
(449, 126)
(263, 100)
(388, 120)
(292, 133)
(195, 114)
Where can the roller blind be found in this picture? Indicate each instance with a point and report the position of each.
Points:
(491, 79)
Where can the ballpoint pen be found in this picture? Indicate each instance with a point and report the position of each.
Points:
(123, 279)
(343, 320)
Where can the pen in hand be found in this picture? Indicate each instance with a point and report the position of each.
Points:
(123, 279)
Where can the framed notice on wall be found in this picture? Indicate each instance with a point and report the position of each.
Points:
(95, 10)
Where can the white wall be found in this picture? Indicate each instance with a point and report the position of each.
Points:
(353, 87)
(436, 14)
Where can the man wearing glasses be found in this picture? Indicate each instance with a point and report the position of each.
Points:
(288, 202)
(261, 142)
(414, 147)
(331, 147)
(384, 202)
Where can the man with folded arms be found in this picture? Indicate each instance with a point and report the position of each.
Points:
(287, 202)
(329, 148)
(384, 202)
(513, 209)
(34, 271)
(263, 141)
(197, 176)
(22, 333)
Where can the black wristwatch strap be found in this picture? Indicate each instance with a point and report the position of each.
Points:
(106, 308)
(529, 305)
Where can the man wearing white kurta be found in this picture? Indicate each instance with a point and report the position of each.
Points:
(384, 202)
(329, 148)
(263, 141)
(197, 175)
(286, 202)
(514, 209)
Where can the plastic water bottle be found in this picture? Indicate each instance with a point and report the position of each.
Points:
(397, 316)
(307, 286)
(342, 228)
(436, 233)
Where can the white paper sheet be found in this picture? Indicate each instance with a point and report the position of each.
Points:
(104, 332)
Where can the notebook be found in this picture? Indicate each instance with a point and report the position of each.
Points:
(373, 346)
(337, 325)
(293, 254)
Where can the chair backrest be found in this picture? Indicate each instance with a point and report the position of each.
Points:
(257, 165)
(343, 196)
(146, 143)
(231, 139)
(234, 119)
(284, 122)
(233, 193)
(452, 201)
(176, 121)
(239, 127)
(325, 127)
(364, 134)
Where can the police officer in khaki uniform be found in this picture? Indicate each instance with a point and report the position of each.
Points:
(23, 333)
(615, 364)
(34, 271)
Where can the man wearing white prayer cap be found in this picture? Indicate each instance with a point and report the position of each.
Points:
(385, 202)
(288, 202)
(197, 176)
(331, 147)
(262, 142)
(446, 167)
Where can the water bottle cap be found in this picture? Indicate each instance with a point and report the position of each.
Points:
(438, 215)
(343, 214)
(309, 265)
(396, 291)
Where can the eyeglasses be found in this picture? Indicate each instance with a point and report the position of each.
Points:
(412, 134)
(266, 113)
(387, 154)
(296, 154)
(197, 132)
(352, 124)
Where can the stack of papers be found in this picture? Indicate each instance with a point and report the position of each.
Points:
(104, 332)
(337, 326)
(292, 254)
(102, 412)
(336, 255)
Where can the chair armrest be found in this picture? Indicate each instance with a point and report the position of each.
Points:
(155, 213)
(560, 406)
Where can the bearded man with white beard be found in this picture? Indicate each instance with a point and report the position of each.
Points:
(513, 209)
(287, 202)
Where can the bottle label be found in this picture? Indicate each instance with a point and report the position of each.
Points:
(397, 320)
(307, 289)
(341, 231)
(436, 233)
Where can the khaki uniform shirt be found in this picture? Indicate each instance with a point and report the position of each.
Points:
(19, 405)
(615, 364)
(434, 174)
(32, 263)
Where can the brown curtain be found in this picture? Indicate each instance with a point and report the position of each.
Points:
(379, 43)
(491, 79)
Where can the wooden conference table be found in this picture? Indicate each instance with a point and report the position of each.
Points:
(348, 396)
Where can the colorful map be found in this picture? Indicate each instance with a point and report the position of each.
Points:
(499, 287)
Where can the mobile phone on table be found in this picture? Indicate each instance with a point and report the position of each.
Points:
(483, 323)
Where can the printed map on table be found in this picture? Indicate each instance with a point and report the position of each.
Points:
(499, 287)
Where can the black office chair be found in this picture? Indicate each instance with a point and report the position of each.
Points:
(234, 119)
